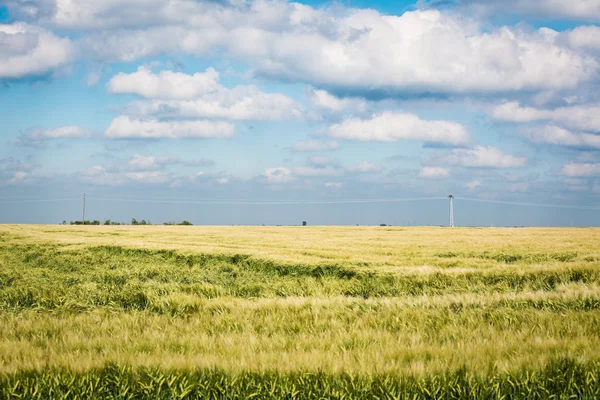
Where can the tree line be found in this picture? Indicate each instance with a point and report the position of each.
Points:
(133, 222)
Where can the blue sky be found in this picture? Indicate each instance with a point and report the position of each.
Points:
(275, 112)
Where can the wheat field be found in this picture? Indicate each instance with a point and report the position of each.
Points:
(298, 312)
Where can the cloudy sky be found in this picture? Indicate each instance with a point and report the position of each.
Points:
(275, 112)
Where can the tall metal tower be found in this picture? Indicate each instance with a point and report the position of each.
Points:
(451, 212)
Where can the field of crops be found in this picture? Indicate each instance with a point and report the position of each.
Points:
(298, 312)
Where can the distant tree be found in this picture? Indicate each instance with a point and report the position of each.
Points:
(107, 222)
(96, 222)
(64, 222)
(383, 225)
(303, 223)
(143, 222)
(134, 221)
(185, 223)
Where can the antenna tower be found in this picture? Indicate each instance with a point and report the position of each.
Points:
(451, 211)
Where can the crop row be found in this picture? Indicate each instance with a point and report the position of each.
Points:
(561, 379)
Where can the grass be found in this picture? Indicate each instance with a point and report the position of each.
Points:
(294, 312)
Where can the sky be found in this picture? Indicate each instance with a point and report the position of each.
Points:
(252, 112)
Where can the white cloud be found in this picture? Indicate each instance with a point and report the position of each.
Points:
(392, 126)
(575, 181)
(364, 50)
(322, 161)
(38, 137)
(312, 145)
(325, 100)
(585, 37)
(316, 171)
(580, 117)
(222, 181)
(474, 184)
(434, 173)
(98, 175)
(247, 104)
(28, 50)
(581, 170)
(587, 10)
(20, 177)
(165, 85)
(577, 184)
(13, 165)
(520, 187)
(423, 51)
(140, 162)
(365, 167)
(278, 175)
(101, 176)
(561, 137)
(148, 177)
(93, 78)
(145, 163)
(175, 94)
(334, 185)
(123, 127)
(479, 157)
(64, 132)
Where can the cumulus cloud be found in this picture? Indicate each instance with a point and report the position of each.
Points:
(278, 175)
(16, 172)
(586, 10)
(141, 162)
(312, 145)
(365, 167)
(38, 137)
(324, 100)
(581, 170)
(334, 49)
(148, 177)
(64, 132)
(584, 37)
(479, 157)
(322, 161)
(166, 84)
(353, 46)
(20, 177)
(334, 185)
(145, 163)
(175, 94)
(392, 126)
(125, 128)
(12, 164)
(103, 176)
(474, 184)
(27, 50)
(434, 173)
(555, 135)
(579, 117)
(326, 171)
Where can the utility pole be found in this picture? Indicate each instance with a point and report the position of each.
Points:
(451, 212)
(83, 220)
